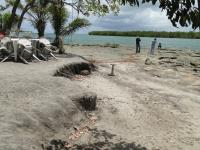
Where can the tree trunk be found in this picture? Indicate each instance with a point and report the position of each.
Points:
(21, 19)
(56, 41)
(41, 33)
(1, 23)
(41, 28)
(199, 13)
(12, 18)
(61, 45)
(27, 7)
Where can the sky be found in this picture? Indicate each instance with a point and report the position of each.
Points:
(143, 18)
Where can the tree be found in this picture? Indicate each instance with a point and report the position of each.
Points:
(5, 17)
(39, 15)
(37, 11)
(59, 17)
(29, 5)
(85, 7)
(183, 12)
(13, 15)
(99, 7)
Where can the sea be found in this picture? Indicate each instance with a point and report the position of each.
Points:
(171, 43)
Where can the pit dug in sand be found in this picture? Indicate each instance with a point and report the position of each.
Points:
(76, 70)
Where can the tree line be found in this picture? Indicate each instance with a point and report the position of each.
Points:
(163, 34)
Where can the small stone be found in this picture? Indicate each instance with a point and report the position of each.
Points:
(148, 61)
(85, 72)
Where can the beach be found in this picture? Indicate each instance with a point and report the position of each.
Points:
(152, 102)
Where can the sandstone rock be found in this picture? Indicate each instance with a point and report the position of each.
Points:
(195, 64)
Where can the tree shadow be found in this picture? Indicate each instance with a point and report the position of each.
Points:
(110, 146)
(103, 140)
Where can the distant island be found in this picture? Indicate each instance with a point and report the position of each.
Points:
(163, 34)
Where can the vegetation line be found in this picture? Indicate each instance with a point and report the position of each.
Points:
(163, 34)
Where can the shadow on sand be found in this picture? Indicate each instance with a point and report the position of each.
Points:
(103, 141)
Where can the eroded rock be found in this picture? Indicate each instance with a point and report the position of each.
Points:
(195, 64)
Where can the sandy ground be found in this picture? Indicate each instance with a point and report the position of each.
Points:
(35, 105)
(154, 106)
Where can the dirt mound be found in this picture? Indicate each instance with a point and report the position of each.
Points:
(35, 106)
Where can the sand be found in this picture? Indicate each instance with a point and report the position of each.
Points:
(154, 106)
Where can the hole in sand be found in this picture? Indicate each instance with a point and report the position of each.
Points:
(72, 70)
(87, 101)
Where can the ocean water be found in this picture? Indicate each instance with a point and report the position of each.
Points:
(174, 43)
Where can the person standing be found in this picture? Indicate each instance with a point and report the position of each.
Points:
(138, 44)
(159, 45)
(153, 45)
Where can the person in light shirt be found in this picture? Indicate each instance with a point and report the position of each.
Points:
(153, 46)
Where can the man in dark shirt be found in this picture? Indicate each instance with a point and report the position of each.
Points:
(138, 44)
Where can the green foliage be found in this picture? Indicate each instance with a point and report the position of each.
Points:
(2, 8)
(5, 19)
(59, 16)
(192, 35)
(183, 12)
(102, 8)
(11, 3)
(75, 25)
(39, 15)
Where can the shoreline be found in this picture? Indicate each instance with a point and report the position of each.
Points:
(152, 34)
(115, 45)
(153, 103)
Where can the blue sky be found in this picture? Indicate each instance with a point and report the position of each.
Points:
(145, 17)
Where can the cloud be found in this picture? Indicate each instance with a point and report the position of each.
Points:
(146, 17)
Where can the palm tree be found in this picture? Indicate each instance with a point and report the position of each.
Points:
(59, 17)
(5, 18)
(39, 15)
(13, 15)
(37, 11)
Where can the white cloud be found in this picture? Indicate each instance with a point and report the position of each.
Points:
(133, 18)
(145, 17)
